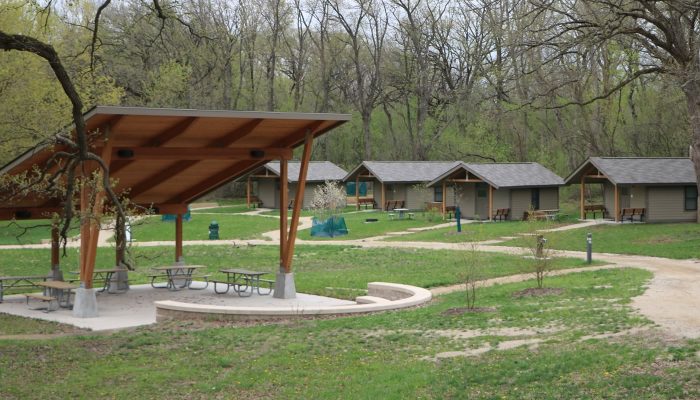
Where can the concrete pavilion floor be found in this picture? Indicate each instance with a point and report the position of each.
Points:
(136, 306)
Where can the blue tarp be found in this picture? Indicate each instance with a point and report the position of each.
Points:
(331, 227)
(173, 217)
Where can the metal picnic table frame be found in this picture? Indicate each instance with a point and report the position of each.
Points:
(105, 275)
(176, 273)
(236, 278)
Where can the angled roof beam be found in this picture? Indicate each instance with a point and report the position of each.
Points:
(200, 153)
(212, 182)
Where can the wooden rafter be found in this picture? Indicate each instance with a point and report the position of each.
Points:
(201, 153)
(211, 183)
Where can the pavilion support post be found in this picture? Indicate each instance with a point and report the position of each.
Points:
(383, 197)
(582, 197)
(247, 193)
(85, 305)
(357, 192)
(285, 287)
(56, 273)
(444, 199)
(179, 259)
(120, 280)
(617, 204)
(284, 179)
(490, 203)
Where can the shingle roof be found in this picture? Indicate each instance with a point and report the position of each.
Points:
(508, 175)
(319, 171)
(640, 170)
(404, 171)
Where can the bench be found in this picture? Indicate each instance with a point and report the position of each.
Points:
(392, 216)
(501, 214)
(391, 204)
(255, 202)
(366, 201)
(630, 213)
(535, 215)
(19, 282)
(43, 299)
(411, 215)
(186, 277)
(594, 208)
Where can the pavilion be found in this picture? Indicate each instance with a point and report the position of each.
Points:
(167, 158)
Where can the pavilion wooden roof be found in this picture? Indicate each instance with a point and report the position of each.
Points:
(169, 157)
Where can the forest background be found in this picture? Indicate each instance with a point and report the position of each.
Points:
(438, 80)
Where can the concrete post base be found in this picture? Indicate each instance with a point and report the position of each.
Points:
(85, 305)
(119, 282)
(56, 275)
(284, 286)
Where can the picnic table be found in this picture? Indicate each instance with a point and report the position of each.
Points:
(9, 282)
(401, 211)
(104, 276)
(242, 279)
(60, 290)
(178, 276)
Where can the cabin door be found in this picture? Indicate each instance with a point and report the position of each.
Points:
(482, 200)
(624, 197)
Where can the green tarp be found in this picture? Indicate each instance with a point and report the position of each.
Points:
(350, 188)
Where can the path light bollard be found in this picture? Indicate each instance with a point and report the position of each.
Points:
(539, 253)
(214, 231)
(589, 248)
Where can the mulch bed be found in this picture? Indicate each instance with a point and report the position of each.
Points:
(537, 292)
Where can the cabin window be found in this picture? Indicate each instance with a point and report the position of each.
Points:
(437, 194)
(691, 198)
(535, 199)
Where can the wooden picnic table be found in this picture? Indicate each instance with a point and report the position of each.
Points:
(175, 274)
(9, 282)
(401, 211)
(241, 279)
(59, 289)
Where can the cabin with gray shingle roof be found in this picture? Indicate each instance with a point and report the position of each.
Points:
(263, 184)
(399, 182)
(481, 190)
(665, 187)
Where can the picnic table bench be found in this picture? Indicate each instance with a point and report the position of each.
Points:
(540, 215)
(28, 281)
(501, 214)
(44, 299)
(60, 290)
(101, 275)
(391, 204)
(594, 208)
(366, 201)
(242, 279)
(630, 213)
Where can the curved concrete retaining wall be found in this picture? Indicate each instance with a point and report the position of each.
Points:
(381, 296)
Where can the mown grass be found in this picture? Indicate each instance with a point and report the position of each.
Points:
(358, 228)
(679, 241)
(326, 270)
(387, 356)
(226, 209)
(28, 231)
(197, 228)
(477, 231)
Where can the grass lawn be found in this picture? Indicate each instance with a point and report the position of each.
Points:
(359, 229)
(197, 228)
(381, 356)
(226, 209)
(476, 231)
(326, 270)
(306, 213)
(28, 231)
(680, 241)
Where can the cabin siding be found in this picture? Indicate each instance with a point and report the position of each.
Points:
(549, 198)
(520, 203)
(417, 197)
(609, 199)
(467, 200)
(501, 199)
(638, 196)
(267, 193)
(666, 204)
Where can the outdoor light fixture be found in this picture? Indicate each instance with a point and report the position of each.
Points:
(125, 153)
(257, 153)
(23, 214)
